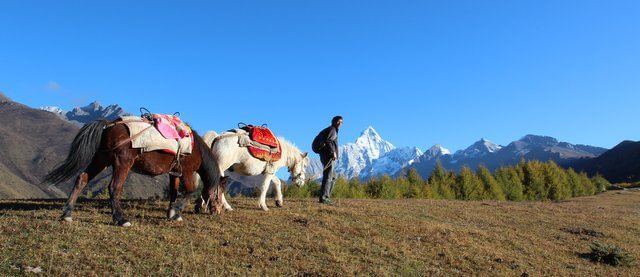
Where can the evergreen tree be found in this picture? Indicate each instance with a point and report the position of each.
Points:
(510, 181)
(492, 188)
(356, 189)
(573, 179)
(417, 185)
(470, 186)
(534, 183)
(556, 181)
(589, 187)
(441, 183)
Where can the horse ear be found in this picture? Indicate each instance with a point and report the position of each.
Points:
(304, 155)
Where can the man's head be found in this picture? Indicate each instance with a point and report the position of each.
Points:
(336, 121)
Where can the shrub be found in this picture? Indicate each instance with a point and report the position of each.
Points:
(610, 254)
(601, 184)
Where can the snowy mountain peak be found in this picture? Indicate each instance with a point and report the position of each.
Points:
(354, 157)
(52, 109)
(93, 111)
(478, 149)
(391, 162)
(371, 141)
(437, 151)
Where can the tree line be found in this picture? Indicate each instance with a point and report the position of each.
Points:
(528, 180)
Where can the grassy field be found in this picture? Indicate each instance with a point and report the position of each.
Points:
(408, 237)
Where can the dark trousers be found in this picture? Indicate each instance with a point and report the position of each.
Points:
(328, 178)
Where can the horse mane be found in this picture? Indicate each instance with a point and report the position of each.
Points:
(292, 152)
(209, 164)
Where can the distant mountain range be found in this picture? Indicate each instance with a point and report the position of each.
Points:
(372, 156)
(493, 156)
(89, 113)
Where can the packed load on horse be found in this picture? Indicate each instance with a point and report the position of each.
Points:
(150, 144)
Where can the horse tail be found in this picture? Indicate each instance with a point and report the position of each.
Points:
(209, 173)
(84, 146)
(209, 137)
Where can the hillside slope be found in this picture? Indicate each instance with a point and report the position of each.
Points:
(620, 164)
(355, 237)
(34, 141)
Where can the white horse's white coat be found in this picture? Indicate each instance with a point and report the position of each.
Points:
(229, 155)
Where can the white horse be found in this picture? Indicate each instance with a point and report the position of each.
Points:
(235, 161)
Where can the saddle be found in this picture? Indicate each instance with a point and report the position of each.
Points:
(264, 145)
(171, 126)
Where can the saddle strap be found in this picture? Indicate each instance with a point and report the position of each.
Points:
(130, 139)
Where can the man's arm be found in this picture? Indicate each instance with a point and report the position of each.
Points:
(332, 139)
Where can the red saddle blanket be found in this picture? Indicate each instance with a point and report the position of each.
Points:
(171, 126)
(265, 137)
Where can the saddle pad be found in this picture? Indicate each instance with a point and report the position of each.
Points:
(153, 140)
(265, 137)
(171, 126)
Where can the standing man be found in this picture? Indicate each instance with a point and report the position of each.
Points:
(326, 144)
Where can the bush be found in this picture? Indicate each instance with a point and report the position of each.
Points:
(601, 184)
(610, 254)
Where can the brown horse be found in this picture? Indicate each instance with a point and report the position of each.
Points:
(101, 144)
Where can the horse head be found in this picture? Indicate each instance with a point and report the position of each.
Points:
(297, 169)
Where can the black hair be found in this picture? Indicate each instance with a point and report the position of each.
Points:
(335, 120)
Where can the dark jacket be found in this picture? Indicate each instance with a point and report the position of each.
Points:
(330, 136)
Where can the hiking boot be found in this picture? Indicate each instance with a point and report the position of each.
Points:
(326, 202)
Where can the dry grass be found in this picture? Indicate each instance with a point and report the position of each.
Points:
(407, 237)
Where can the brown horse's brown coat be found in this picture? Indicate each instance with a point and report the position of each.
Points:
(123, 158)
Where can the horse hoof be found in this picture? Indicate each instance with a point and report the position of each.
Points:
(126, 224)
(171, 214)
(67, 219)
(279, 204)
(264, 208)
(228, 208)
(176, 217)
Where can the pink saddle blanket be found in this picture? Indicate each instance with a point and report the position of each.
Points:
(171, 127)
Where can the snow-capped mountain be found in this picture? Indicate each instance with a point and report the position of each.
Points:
(391, 162)
(354, 157)
(53, 109)
(436, 151)
(478, 149)
(93, 111)
(314, 169)
(371, 156)
(86, 114)
(493, 156)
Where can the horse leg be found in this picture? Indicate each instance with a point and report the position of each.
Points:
(120, 172)
(190, 184)
(278, 187)
(174, 185)
(263, 193)
(95, 167)
(225, 203)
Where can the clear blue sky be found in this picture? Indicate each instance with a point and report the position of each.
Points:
(420, 72)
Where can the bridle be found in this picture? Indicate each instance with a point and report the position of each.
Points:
(297, 177)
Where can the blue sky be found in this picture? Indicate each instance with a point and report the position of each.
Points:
(420, 72)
